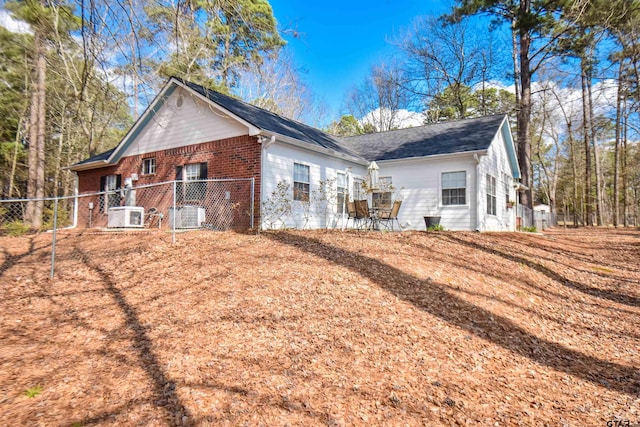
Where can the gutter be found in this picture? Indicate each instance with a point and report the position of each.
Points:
(434, 156)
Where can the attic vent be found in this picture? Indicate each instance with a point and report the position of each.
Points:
(180, 101)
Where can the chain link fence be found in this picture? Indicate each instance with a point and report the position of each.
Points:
(168, 208)
(540, 220)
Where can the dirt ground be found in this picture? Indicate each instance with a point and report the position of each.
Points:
(315, 328)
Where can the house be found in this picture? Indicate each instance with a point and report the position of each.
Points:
(463, 171)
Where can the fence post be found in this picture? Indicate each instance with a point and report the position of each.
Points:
(173, 226)
(253, 186)
(53, 242)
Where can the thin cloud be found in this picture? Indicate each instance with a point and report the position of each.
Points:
(14, 25)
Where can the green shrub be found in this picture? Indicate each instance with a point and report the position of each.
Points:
(437, 227)
(15, 228)
(529, 229)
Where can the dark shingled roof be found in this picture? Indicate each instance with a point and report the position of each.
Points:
(268, 121)
(438, 138)
(96, 158)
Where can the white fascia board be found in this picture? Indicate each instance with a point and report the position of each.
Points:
(316, 148)
(434, 157)
(253, 130)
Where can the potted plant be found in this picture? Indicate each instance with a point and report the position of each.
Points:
(432, 220)
(511, 204)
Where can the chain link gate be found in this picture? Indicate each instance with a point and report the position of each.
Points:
(172, 207)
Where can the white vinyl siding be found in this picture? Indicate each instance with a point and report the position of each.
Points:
(194, 122)
(278, 166)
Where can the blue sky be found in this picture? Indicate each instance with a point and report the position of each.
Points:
(339, 40)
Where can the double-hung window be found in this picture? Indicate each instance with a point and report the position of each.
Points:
(454, 188)
(341, 186)
(197, 188)
(301, 180)
(491, 195)
(109, 184)
(381, 199)
(149, 166)
(358, 189)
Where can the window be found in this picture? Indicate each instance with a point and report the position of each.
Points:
(301, 178)
(149, 166)
(381, 199)
(110, 183)
(341, 186)
(358, 189)
(491, 195)
(454, 188)
(193, 191)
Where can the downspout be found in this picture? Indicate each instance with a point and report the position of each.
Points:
(76, 200)
(266, 143)
(478, 195)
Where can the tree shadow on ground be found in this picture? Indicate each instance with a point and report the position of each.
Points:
(433, 298)
(164, 389)
(585, 289)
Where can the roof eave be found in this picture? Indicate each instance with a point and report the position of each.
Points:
(88, 166)
(482, 152)
(316, 148)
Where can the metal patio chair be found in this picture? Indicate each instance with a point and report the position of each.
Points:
(386, 217)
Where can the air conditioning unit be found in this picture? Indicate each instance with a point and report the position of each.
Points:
(187, 217)
(125, 216)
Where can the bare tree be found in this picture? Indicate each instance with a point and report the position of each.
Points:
(446, 57)
(378, 100)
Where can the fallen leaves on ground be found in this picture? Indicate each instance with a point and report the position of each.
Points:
(321, 328)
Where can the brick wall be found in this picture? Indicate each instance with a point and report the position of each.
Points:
(237, 157)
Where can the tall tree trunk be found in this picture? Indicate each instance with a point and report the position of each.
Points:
(596, 155)
(574, 171)
(41, 67)
(616, 150)
(524, 120)
(35, 182)
(586, 131)
(624, 170)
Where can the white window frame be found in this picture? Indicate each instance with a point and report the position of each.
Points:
(301, 183)
(149, 166)
(341, 191)
(491, 192)
(382, 198)
(445, 185)
(358, 189)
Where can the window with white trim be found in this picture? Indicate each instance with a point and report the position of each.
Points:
(341, 191)
(149, 166)
(301, 181)
(454, 188)
(491, 195)
(358, 189)
(381, 199)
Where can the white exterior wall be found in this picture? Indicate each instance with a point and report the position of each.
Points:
(496, 163)
(418, 183)
(277, 166)
(194, 122)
